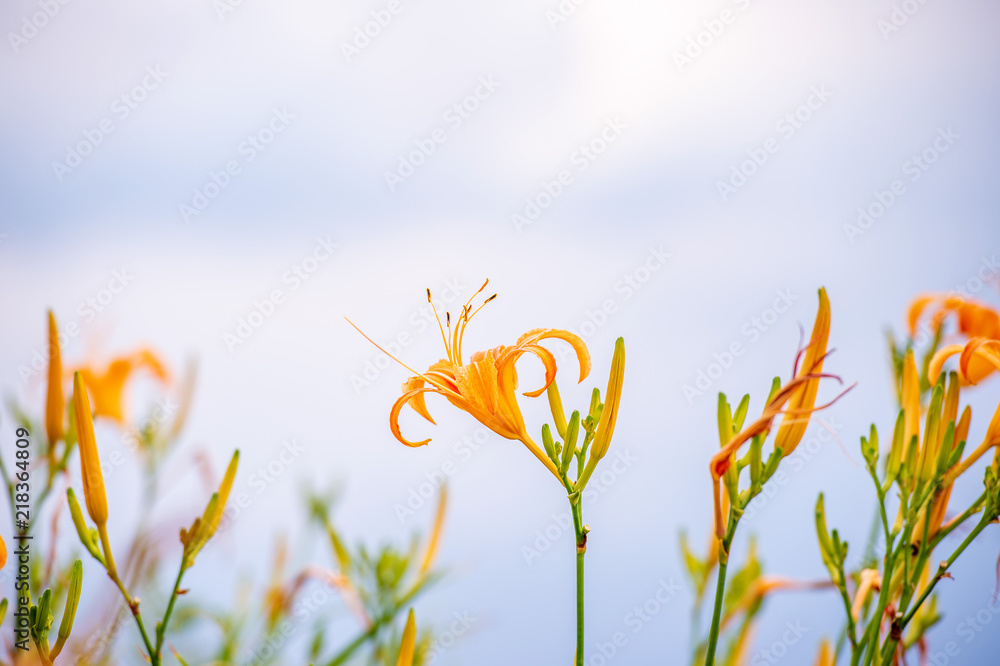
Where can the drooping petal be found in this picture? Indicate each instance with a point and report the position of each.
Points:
(397, 407)
(579, 346)
(417, 401)
(547, 359)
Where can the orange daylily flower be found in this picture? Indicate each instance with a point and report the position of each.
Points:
(106, 385)
(975, 321)
(485, 386)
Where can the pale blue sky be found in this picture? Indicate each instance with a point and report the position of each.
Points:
(628, 142)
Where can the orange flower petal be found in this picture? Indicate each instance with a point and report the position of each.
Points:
(417, 401)
(394, 416)
(579, 346)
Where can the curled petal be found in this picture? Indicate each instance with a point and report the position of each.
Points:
(417, 401)
(394, 415)
(937, 361)
(547, 359)
(575, 341)
(980, 357)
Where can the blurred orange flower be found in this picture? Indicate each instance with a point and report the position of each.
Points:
(975, 321)
(106, 384)
(485, 386)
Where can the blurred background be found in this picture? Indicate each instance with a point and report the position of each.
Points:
(227, 180)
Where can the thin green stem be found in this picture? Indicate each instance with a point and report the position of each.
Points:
(713, 635)
(581, 551)
(161, 628)
(129, 599)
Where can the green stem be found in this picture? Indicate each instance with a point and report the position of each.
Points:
(581, 551)
(161, 628)
(720, 588)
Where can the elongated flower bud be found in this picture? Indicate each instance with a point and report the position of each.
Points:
(556, 406)
(90, 462)
(801, 404)
(205, 526)
(609, 413)
(612, 399)
(910, 398)
(569, 446)
(69, 613)
(87, 537)
(55, 399)
(408, 646)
